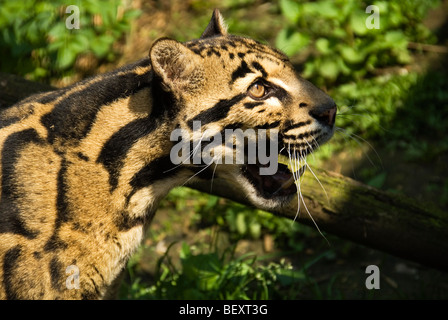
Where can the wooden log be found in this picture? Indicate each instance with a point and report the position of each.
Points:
(392, 223)
(349, 209)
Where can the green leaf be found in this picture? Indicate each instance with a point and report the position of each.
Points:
(329, 69)
(378, 180)
(132, 14)
(310, 68)
(202, 269)
(33, 32)
(185, 251)
(58, 31)
(291, 42)
(288, 277)
(291, 10)
(351, 55)
(328, 10)
(240, 222)
(323, 45)
(255, 229)
(403, 56)
(40, 72)
(66, 57)
(54, 46)
(396, 36)
(80, 43)
(358, 23)
(344, 69)
(101, 45)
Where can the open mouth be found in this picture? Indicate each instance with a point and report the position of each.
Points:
(280, 184)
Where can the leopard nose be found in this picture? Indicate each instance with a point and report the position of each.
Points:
(325, 114)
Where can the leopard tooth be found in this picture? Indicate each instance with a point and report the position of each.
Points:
(291, 180)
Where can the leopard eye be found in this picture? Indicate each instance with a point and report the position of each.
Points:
(257, 90)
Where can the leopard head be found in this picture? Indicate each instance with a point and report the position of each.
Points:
(224, 84)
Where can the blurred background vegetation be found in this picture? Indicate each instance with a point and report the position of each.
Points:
(391, 88)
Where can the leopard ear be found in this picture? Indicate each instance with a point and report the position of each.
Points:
(176, 65)
(216, 26)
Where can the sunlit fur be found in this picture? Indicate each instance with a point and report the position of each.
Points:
(83, 168)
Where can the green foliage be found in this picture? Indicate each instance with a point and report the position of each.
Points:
(390, 108)
(240, 221)
(34, 39)
(216, 276)
(341, 47)
(215, 273)
(373, 103)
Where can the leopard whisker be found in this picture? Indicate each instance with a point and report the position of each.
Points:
(357, 139)
(317, 179)
(312, 219)
(292, 163)
(190, 156)
(344, 136)
(213, 176)
(205, 167)
(345, 109)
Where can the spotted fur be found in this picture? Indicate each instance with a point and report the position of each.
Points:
(82, 168)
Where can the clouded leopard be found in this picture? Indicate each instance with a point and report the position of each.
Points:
(83, 168)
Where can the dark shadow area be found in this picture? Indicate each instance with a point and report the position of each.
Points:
(410, 157)
(414, 162)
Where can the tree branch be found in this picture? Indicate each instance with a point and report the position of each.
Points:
(389, 222)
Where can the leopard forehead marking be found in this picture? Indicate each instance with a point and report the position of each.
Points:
(232, 47)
